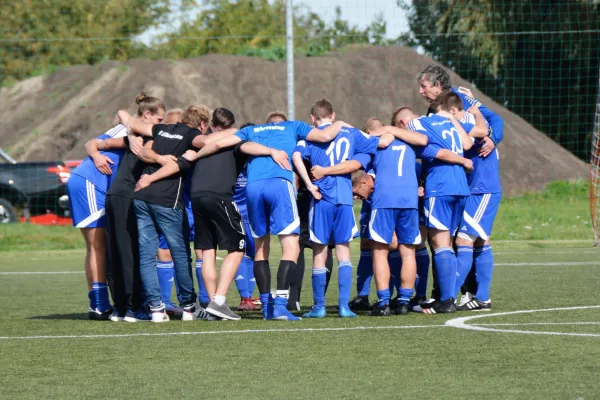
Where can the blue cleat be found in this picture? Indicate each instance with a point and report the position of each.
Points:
(281, 313)
(316, 312)
(344, 312)
(267, 309)
(137, 316)
(173, 310)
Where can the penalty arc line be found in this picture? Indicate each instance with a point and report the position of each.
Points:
(193, 333)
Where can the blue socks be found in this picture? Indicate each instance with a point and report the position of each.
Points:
(395, 262)
(344, 282)
(241, 279)
(100, 296)
(319, 279)
(250, 274)
(384, 297)
(484, 267)
(464, 261)
(445, 262)
(202, 293)
(405, 295)
(364, 273)
(422, 256)
(165, 272)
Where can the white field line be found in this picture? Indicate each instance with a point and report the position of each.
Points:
(541, 324)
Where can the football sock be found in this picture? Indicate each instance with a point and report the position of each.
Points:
(220, 300)
(344, 282)
(422, 256)
(364, 273)
(241, 279)
(318, 284)
(329, 266)
(484, 266)
(445, 262)
(384, 297)
(470, 284)
(165, 272)
(296, 283)
(202, 293)
(395, 262)
(92, 298)
(101, 296)
(250, 275)
(262, 273)
(464, 261)
(285, 274)
(405, 295)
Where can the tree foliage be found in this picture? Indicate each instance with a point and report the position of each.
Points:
(539, 58)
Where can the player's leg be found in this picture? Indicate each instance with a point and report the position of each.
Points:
(247, 269)
(381, 228)
(303, 202)
(344, 229)
(395, 262)
(422, 259)
(202, 235)
(166, 276)
(364, 269)
(409, 236)
(319, 279)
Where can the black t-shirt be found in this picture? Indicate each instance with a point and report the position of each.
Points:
(216, 175)
(129, 172)
(168, 140)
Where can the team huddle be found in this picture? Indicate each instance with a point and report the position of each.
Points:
(160, 180)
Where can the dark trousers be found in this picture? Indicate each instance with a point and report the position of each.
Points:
(122, 258)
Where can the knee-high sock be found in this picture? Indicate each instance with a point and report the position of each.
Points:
(250, 276)
(422, 256)
(241, 279)
(464, 261)
(202, 293)
(318, 285)
(470, 284)
(395, 262)
(166, 273)
(285, 275)
(445, 262)
(344, 282)
(100, 290)
(364, 273)
(484, 266)
(296, 282)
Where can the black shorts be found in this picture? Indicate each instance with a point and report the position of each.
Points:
(217, 223)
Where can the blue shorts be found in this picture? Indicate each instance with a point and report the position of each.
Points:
(444, 212)
(480, 212)
(331, 221)
(404, 221)
(272, 207)
(365, 216)
(190, 216)
(87, 203)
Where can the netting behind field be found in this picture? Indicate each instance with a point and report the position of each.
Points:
(595, 174)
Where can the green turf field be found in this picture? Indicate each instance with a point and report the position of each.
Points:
(49, 350)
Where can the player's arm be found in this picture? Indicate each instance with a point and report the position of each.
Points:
(212, 146)
(93, 148)
(134, 125)
(149, 156)
(407, 136)
(327, 134)
(301, 171)
(256, 149)
(496, 124)
(343, 168)
(466, 141)
(182, 163)
(202, 140)
(480, 130)
(385, 140)
(452, 158)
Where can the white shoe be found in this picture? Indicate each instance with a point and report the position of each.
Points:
(466, 298)
(115, 317)
(193, 313)
(159, 314)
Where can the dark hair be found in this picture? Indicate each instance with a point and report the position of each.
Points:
(247, 124)
(148, 103)
(435, 75)
(446, 100)
(222, 117)
(395, 114)
(274, 114)
(321, 109)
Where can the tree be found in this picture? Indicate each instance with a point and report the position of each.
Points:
(538, 58)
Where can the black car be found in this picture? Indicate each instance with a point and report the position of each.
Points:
(34, 188)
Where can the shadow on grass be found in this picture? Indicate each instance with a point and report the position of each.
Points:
(75, 316)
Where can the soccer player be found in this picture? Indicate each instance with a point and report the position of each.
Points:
(96, 188)
(480, 209)
(445, 193)
(331, 212)
(270, 197)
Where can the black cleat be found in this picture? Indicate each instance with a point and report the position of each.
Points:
(400, 309)
(360, 303)
(439, 307)
(96, 315)
(380, 311)
(475, 305)
(416, 303)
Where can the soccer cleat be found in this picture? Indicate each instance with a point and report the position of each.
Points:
(247, 305)
(418, 303)
(475, 305)
(345, 312)
(281, 313)
(96, 315)
(267, 310)
(467, 297)
(138, 316)
(380, 311)
(360, 303)
(316, 312)
(222, 311)
(439, 307)
(256, 300)
(159, 314)
(116, 317)
(173, 310)
(400, 308)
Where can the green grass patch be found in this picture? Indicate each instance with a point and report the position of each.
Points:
(14, 237)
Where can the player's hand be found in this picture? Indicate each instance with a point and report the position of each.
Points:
(315, 192)
(445, 114)
(164, 160)
(317, 172)
(378, 132)
(468, 165)
(143, 183)
(421, 191)
(102, 163)
(474, 110)
(136, 144)
(190, 155)
(465, 91)
(281, 158)
(487, 147)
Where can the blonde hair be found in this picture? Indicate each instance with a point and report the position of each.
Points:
(371, 124)
(148, 103)
(194, 115)
(274, 114)
(175, 114)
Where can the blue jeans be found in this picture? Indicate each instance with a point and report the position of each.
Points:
(173, 224)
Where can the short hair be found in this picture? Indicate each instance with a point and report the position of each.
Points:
(446, 100)
(222, 117)
(194, 115)
(357, 177)
(395, 115)
(370, 124)
(148, 103)
(435, 75)
(247, 124)
(173, 111)
(321, 109)
(274, 114)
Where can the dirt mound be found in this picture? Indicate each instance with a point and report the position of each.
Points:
(51, 117)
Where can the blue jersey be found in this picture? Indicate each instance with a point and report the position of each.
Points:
(239, 192)
(279, 136)
(494, 121)
(396, 184)
(442, 179)
(88, 170)
(337, 189)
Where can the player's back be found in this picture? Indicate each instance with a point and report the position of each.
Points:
(239, 194)
(442, 179)
(396, 184)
